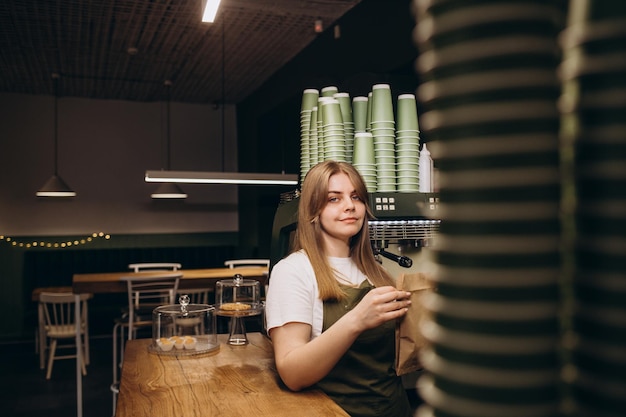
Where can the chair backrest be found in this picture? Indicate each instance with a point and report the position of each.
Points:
(239, 263)
(59, 312)
(149, 292)
(151, 289)
(155, 266)
(196, 295)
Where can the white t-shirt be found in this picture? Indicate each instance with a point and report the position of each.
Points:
(293, 294)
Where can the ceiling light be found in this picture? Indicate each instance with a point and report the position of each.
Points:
(169, 191)
(55, 186)
(210, 10)
(204, 177)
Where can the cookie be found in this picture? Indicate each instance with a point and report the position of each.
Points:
(236, 306)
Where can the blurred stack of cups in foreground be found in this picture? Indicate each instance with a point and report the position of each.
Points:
(489, 91)
(594, 106)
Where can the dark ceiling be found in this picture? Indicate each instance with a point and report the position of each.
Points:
(127, 49)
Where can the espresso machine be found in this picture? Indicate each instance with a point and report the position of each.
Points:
(401, 234)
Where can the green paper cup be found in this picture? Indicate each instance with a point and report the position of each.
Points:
(309, 99)
(382, 106)
(345, 105)
(407, 112)
(331, 113)
(329, 91)
(363, 152)
(359, 113)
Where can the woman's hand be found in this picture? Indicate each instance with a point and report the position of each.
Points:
(302, 362)
(381, 305)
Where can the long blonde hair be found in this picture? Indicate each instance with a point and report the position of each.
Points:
(313, 199)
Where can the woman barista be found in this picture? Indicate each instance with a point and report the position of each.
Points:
(330, 326)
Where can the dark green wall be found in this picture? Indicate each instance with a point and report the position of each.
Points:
(23, 269)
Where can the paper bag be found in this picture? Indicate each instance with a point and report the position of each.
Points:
(409, 339)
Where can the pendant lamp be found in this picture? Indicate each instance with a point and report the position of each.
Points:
(168, 190)
(55, 186)
(216, 177)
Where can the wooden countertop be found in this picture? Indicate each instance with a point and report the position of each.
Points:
(235, 381)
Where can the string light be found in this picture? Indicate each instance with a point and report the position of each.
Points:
(59, 244)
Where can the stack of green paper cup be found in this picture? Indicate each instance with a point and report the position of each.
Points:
(363, 159)
(407, 145)
(382, 127)
(593, 73)
(332, 126)
(320, 127)
(313, 140)
(309, 100)
(348, 122)
(489, 90)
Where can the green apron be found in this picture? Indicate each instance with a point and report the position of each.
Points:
(364, 382)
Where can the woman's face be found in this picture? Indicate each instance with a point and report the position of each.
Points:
(344, 213)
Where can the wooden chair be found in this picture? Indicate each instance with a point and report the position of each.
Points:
(41, 341)
(155, 266)
(147, 293)
(196, 295)
(144, 294)
(59, 326)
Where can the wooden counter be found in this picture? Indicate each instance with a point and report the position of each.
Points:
(235, 381)
(111, 282)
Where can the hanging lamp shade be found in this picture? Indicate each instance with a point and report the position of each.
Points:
(168, 190)
(55, 186)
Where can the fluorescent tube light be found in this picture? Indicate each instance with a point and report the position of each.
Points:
(203, 177)
(210, 10)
